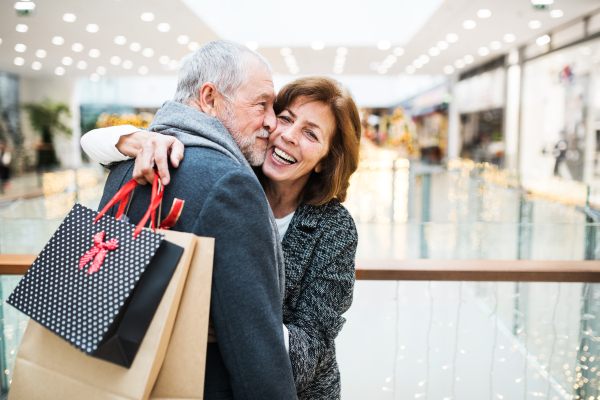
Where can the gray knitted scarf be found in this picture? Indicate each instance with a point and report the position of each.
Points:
(197, 129)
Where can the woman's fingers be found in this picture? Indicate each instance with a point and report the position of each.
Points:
(177, 150)
(155, 152)
(143, 171)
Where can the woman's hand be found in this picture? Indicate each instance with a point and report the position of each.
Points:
(157, 149)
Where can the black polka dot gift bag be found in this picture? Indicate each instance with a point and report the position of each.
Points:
(103, 296)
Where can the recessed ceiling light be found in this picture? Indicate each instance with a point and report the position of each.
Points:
(59, 71)
(398, 51)
(58, 40)
(94, 77)
(542, 40)
(164, 60)
(484, 13)
(448, 69)
(285, 51)
(338, 70)
(41, 54)
(147, 16)
(495, 45)
(127, 64)
(442, 45)
(69, 17)
(67, 61)
(469, 24)
(163, 27)
(94, 53)
(252, 45)
(434, 51)
(556, 13)
(20, 48)
(290, 60)
(469, 59)
(147, 52)
(452, 38)
(82, 65)
(24, 6)
(341, 51)
(101, 70)
(77, 47)
(36, 65)
(483, 51)
(22, 28)
(173, 64)
(509, 38)
(317, 45)
(92, 28)
(459, 64)
(410, 69)
(534, 24)
(382, 69)
(135, 46)
(115, 60)
(143, 70)
(193, 46)
(384, 44)
(424, 59)
(120, 40)
(183, 39)
(417, 63)
(19, 61)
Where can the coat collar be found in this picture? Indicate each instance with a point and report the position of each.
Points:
(308, 217)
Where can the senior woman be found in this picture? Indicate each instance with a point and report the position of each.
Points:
(310, 157)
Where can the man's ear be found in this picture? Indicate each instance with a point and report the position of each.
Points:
(206, 99)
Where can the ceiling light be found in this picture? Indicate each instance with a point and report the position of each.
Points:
(434, 51)
(127, 64)
(483, 51)
(120, 40)
(36, 65)
(452, 38)
(495, 45)
(285, 51)
(59, 71)
(183, 39)
(338, 70)
(387, 63)
(0, 40)
(484, 13)
(77, 47)
(317, 45)
(424, 59)
(173, 64)
(392, 58)
(290, 60)
(556, 13)
(398, 51)
(469, 59)
(147, 16)
(101, 70)
(19, 61)
(41, 53)
(193, 46)
(509, 38)
(135, 46)
(82, 65)
(252, 45)
(24, 6)
(94, 53)
(448, 69)
(542, 40)
(534, 24)
(143, 70)
(542, 3)
(94, 77)
(115, 60)
(67, 61)
(417, 63)
(459, 64)
(147, 52)
(341, 61)
(22, 28)
(382, 69)
(20, 48)
(92, 28)
(410, 69)
(442, 45)
(384, 45)
(164, 60)
(294, 70)
(163, 27)
(469, 24)
(69, 17)
(341, 51)
(58, 40)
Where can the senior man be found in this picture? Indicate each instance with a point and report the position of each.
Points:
(223, 113)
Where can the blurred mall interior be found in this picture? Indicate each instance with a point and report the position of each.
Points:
(480, 141)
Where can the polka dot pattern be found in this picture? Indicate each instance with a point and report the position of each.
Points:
(78, 306)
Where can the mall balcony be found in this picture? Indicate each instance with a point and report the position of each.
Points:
(477, 197)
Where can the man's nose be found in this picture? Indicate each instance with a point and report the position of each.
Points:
(270, 121)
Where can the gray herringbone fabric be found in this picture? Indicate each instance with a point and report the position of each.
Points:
(319, 248)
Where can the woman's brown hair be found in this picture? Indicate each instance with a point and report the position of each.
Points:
(341, 161)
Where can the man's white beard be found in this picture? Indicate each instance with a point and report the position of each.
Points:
(246, 144)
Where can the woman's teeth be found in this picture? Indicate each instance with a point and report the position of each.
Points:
(283, 157)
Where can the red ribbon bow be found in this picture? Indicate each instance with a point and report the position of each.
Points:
(98, 252)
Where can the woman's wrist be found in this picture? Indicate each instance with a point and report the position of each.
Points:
(130, 145)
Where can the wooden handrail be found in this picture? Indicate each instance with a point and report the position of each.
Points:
(426, 270)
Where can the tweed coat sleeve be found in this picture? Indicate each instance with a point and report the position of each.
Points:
(326, 294)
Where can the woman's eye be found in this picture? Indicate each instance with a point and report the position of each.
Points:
(312, 135)
(284, 118)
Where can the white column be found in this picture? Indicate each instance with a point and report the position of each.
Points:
(453, 122)
(511, 117)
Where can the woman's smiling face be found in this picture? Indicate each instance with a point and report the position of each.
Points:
(301, 140)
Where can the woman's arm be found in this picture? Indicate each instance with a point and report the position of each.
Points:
(317, 317)
(101, 144)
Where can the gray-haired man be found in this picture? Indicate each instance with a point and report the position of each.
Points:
(223, 114)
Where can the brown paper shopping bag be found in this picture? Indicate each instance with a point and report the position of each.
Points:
(47, 367)
(182, 373)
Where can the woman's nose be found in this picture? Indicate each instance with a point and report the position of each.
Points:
(290, 135)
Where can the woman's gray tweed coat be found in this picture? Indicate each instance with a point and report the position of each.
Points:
(319, 248)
